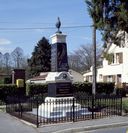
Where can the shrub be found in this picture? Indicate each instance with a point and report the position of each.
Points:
(7, 80)
(7, 90)
(35, 89)
(1, 81)
(101, 88)
(125, 106)
(106, 88)
(121, 91)
(82, 87)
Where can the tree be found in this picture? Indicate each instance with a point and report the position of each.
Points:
(116, 21)
(111, 17)
(7, 62)
(95, 8)
(73, 62)
(17, 56)
(40, 59)
(81, 60)
(1, 60)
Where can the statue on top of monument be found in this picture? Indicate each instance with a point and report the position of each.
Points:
(58, 24)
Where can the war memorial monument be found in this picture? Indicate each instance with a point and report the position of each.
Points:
(59, 79)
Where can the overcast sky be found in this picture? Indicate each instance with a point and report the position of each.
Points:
(24, 22)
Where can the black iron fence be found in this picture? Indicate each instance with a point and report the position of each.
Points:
(57, 110)
(2, 103)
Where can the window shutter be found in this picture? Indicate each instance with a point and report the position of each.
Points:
(105, 78)
(120, 58)
(113, 78)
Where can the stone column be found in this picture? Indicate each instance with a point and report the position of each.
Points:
(59, 79)
(59, 61)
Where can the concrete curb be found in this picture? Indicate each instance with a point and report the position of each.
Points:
(88, 128)
(76, 128)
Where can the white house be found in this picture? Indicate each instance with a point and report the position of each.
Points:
(114, 65)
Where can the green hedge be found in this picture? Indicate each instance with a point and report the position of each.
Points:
(125, 105)
(7, 90)
(82, 87)
(34, 89)
(121, 91)
(106, 88)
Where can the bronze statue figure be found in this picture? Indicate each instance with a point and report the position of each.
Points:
(58, 24)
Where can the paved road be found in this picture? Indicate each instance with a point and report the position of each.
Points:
(82, 126)
(109, 130)
(9, 124)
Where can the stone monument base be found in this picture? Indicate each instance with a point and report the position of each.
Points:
(56, 107)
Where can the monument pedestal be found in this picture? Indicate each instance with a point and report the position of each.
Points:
(60, 100)
(58, 107)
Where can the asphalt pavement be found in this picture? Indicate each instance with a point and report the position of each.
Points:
(10, 124)
(122, 129)
(88, 125)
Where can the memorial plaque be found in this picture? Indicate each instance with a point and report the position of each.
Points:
(60, 89)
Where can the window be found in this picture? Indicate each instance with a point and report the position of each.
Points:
(119, 78)
(87, 78)
(119, 58)
(118, 82)
(101, 76)
(109, 78)
(104, 78)
(90, 78)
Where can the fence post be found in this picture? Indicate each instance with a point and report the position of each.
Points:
(73, 110)
(121, 106)
(19, 105)
(21, 110)
(93, 106)
(6, 105)
(37, 121)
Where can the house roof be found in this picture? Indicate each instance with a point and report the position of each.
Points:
(40, 77)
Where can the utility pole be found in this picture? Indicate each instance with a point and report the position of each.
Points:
(94, 61)
(94, 68)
